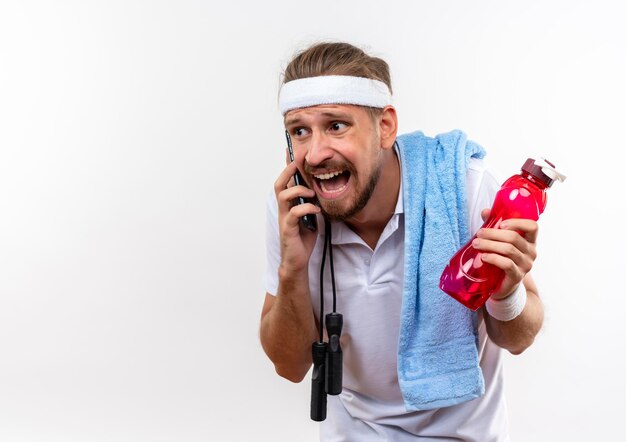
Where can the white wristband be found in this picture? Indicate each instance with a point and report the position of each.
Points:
(510, 307)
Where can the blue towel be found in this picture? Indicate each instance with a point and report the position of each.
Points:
(438, 345)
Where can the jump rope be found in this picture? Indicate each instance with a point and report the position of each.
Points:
(327, 356)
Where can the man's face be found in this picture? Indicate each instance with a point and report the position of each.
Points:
(338, 147)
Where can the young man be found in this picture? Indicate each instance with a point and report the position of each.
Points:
(415, 362)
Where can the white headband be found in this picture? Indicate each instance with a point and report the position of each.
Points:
(333, 89)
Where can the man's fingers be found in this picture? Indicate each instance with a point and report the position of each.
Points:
(288, 198)
(521, 259)
(510, 236)
(512, 273)
(528, 227)
(283, 179)
(300, 210)
(291, 193)
(511, 270)
(485, 214)
(292, 218)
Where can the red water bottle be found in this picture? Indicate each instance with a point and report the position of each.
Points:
(467, 278)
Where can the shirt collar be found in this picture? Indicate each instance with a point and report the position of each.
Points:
(400, 203)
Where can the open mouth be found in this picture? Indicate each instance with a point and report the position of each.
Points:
(332, 184)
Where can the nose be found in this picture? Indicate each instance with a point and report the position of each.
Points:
(319, 149)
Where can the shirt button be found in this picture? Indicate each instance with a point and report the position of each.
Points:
(367, 261)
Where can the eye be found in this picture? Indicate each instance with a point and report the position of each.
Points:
(337, 126)
(300, 132)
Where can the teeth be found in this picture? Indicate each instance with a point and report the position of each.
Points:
(327, 176)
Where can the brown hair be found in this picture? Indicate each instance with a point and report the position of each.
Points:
(337, 59)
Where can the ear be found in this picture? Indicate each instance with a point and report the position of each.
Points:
(388, 126)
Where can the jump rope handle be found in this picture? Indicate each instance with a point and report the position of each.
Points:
(334, 355)
(318, 392)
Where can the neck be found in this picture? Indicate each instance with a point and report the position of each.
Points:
(370, 222)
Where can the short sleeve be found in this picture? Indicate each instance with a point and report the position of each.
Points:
(482, 186)
(272, 245)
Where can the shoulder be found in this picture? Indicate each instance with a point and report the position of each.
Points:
(479, 172)
(452, 142)
(482, 186)
(270, 202)
(271, 210)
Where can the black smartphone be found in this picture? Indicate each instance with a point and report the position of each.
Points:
(309, 221)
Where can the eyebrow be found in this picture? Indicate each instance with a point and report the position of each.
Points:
(328, 114)
(291, 121)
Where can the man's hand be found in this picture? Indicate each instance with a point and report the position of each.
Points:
(511, 247)
(296, 242)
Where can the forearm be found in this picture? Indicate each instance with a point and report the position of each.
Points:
(288, 327)
(518, 334)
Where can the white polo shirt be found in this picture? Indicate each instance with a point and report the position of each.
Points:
(369, 295)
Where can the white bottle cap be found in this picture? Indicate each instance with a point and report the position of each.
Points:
(549, 169)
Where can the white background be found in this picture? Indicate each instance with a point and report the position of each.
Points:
(139, 140)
